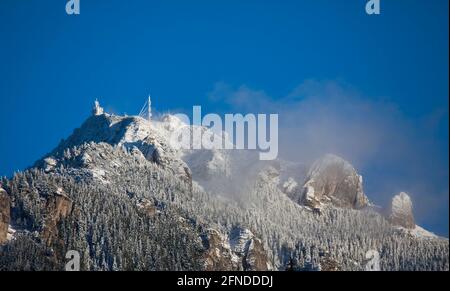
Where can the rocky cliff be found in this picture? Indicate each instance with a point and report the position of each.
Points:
(238, 251)
(332, 180)
(5, 205)
(401, 211)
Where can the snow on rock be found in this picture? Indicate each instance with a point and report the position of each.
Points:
(271, 175)
(417, 232)
(420, 232)
(205, 164)
(50, 164)
(239, 250)
(287, 176)
(333, 180)
(218, 254)
(11, 233)
(129, 132)
(171, 123)
(100, 174)
(401, 211)
(105, 144)
(290, 185)
(208, 164)
(240, 239)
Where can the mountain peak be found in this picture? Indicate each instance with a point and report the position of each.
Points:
(333, 179)
(131, 133)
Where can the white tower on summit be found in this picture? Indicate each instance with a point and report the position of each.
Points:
(146, 111)
(97, 110)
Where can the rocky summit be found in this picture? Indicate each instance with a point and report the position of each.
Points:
(333, 180)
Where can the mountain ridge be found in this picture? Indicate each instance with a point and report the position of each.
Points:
(119, 166)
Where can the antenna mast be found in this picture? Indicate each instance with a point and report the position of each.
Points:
(149, 108)
(146, 111)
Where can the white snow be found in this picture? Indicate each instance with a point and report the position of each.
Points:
(11, 233)
(239, 240)
(290, 185)
(99, 174)
(417, 232)
(422, 233)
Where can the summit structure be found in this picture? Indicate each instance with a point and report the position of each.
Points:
(146, 111)
(97, 110)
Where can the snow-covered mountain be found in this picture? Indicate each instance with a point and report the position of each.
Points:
(121, 195)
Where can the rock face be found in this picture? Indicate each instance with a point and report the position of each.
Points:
(238, 251)
(256, 257)
(401, 211)
(151, 208)
(329, 264)
(218, 254)
(58, 206)
(5, 205)
(333, 180)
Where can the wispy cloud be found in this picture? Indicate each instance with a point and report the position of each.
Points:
(393, 151)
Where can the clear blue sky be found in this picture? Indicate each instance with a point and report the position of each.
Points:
(52, 65)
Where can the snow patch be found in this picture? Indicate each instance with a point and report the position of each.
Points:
(290, 185)
(11, 233)
(422, 233)
(99, 174)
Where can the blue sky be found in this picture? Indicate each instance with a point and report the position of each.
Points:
(395, 66)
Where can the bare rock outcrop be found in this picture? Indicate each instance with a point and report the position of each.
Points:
(58, 206)
(238, 251)
(218, 254)
(256, 256)
(401, 211)
(332, 180)
(5, 205)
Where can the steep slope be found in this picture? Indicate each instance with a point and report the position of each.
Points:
(133, 199)
(129, 133)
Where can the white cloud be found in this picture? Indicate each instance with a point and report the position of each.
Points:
(319, 117)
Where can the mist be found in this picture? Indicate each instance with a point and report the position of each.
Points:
(392, 151)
